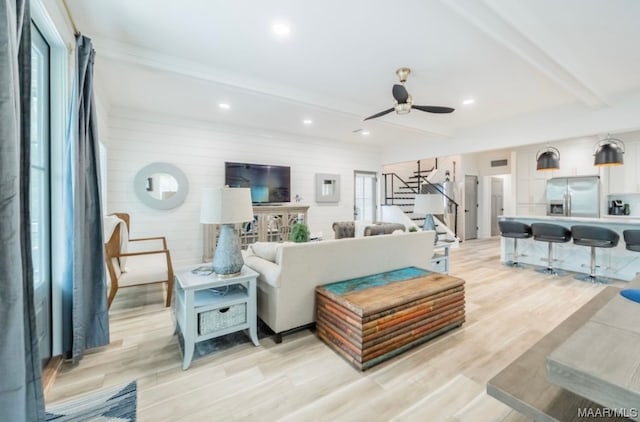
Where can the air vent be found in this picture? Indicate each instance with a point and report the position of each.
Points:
(499, 163)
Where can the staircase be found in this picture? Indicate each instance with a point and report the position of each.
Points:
(401, 194)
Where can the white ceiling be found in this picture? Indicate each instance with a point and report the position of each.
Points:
(538, 69)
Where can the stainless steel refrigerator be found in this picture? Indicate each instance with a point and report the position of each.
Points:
(574, 196)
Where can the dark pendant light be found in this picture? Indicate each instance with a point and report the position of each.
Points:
(548, 159)
(609, 152)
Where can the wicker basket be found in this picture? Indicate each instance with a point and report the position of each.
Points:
(219, 319)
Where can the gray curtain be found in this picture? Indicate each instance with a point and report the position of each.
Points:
(21, 396)
(86, 295)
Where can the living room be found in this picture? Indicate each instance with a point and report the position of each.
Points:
(197, 86)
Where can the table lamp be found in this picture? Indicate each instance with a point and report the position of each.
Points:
(226, 207)
(429, 204)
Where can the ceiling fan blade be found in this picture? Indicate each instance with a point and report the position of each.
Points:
(400, 93)
(382, 113)
(433, 109)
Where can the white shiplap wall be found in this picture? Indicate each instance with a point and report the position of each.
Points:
(200, 150)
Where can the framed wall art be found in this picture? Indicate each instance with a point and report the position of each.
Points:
(327, 187)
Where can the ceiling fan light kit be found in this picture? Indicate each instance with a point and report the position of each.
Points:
(404, 101)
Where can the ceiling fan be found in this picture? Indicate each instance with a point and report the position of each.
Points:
(404, 102)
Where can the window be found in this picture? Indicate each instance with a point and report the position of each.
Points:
(40, 201)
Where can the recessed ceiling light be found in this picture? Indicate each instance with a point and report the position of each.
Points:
(365, 133)
(281, 29)
(224, 106)
(468, 101)
(307, 121)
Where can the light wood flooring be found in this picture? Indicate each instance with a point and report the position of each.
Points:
(507, 310)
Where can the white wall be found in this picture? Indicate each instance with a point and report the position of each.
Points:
(483, 162)
(200, 149)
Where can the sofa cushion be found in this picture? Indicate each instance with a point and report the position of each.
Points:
(265, 250)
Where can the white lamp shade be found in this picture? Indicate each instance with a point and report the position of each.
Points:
(226, 205)
(429, 204)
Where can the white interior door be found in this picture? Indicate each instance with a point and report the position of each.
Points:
(470, 207)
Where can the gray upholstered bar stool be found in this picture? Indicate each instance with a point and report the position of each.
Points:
(632, 240)
(550, 233)
(515, 230)
(594, 237)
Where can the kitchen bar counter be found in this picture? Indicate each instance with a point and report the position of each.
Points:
(617, 262)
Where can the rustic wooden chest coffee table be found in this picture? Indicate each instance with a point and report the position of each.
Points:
(370, 319)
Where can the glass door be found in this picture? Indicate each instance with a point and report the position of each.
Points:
(364, 207)
(40, 200)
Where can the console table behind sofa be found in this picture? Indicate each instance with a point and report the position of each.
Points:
(271, 223)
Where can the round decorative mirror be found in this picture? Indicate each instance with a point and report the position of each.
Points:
(162, 186)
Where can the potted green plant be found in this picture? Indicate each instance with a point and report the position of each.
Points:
(299, 233)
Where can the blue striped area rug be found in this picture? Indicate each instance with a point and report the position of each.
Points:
(114, 404)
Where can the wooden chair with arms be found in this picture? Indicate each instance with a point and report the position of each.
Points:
(147, 260)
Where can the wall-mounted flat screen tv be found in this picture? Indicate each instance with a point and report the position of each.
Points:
(269, 184)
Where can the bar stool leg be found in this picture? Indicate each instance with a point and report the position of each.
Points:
(592, 272)
(550, 270)
(514, 261)
(592, 277)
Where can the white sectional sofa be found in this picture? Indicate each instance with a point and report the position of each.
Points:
(290, 272)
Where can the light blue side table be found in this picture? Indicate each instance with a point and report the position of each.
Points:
(202, 313)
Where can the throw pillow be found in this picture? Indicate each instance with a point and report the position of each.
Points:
(266, 250)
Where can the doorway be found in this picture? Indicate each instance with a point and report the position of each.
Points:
(364, 201)
(470, 207)
(497, 203)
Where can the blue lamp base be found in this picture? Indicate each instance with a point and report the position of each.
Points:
(631, 294)
(429, 224)
(227, 260)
